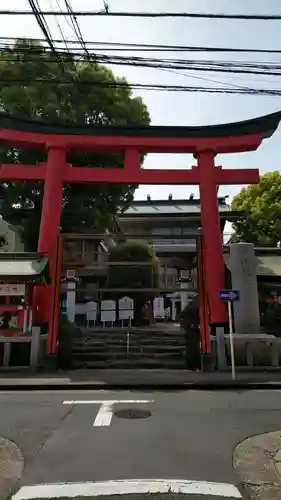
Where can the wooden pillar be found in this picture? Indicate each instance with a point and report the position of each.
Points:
(210, 222)
(203, 298)
(49, 227)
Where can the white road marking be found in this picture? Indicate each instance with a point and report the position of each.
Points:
(101, 401)
(126, 487)
(105, 412)
(104, 415)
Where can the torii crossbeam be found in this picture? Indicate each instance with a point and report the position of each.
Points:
(203, 142)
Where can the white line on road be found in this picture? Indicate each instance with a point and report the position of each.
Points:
(104, 415)
(126, 487)
(105, 412)
(100, 402)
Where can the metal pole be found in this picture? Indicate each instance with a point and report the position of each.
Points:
(231, 339)
(24, 325)
(30, 320)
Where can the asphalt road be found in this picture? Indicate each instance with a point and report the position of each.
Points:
(189, 435)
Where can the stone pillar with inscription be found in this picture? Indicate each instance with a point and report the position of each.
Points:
(244, 278)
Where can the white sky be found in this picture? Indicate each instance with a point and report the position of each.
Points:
(170, 108)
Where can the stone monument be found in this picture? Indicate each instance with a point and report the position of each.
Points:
(244, 278)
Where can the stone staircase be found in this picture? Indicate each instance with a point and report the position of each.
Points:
(161, 346)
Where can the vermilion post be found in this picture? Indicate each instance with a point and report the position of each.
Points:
(56, 303)
(50, 221)
(210, 221)
(203, 313)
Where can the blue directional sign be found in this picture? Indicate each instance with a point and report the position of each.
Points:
(229, 295)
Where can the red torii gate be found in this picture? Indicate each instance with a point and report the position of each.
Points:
(203, 142)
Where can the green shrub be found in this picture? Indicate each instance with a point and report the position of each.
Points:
(144, 278)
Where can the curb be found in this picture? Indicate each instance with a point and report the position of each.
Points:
(74, 386)
(11, 467)
(255, 460)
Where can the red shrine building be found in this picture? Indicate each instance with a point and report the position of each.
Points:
(205, 143)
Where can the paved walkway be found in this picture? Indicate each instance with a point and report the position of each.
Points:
(129, 379)
(11, 467)
(277, 461)
(257, 461)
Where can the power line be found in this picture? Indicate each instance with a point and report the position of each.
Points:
(39, 16)
(189, 75)
(123, 46)
(174, 88)
(70, 57)
(75, 52)
(59, 26)
(191, 15)
(217, 66)
(106, 6)
(76, 27)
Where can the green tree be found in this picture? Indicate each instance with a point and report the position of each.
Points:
(140, 276)
(261, 203)
(35, 85)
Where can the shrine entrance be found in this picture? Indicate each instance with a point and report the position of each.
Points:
(127, 314)
(203, 142)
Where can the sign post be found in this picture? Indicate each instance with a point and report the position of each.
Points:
(230, 296)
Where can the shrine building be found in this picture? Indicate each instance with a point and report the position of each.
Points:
(170, 226)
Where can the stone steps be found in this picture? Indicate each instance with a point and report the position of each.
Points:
(133, 338)
(147, 363)
(148, 348)
(130, 355)
(132, 349)
(115, 345)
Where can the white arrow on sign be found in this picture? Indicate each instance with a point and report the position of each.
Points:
(229, 295)
(105, 412)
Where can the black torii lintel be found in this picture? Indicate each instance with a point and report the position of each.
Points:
(265, 124)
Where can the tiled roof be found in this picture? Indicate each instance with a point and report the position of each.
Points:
(174, 207)
(264, 124)
(29, 268)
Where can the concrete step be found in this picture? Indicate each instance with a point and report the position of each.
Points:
(132, 340)
(132, 348)
(131, 364)
(130, 355)
(122, 333)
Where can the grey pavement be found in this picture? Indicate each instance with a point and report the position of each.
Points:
(257, 461)
(11, 467)
(190, 435)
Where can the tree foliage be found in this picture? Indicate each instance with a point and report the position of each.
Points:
(35, 85)
(138, 276)
(261, 224)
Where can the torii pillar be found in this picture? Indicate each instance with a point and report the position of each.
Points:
(211, 229)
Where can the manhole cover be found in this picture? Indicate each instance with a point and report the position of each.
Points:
(131, 413)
